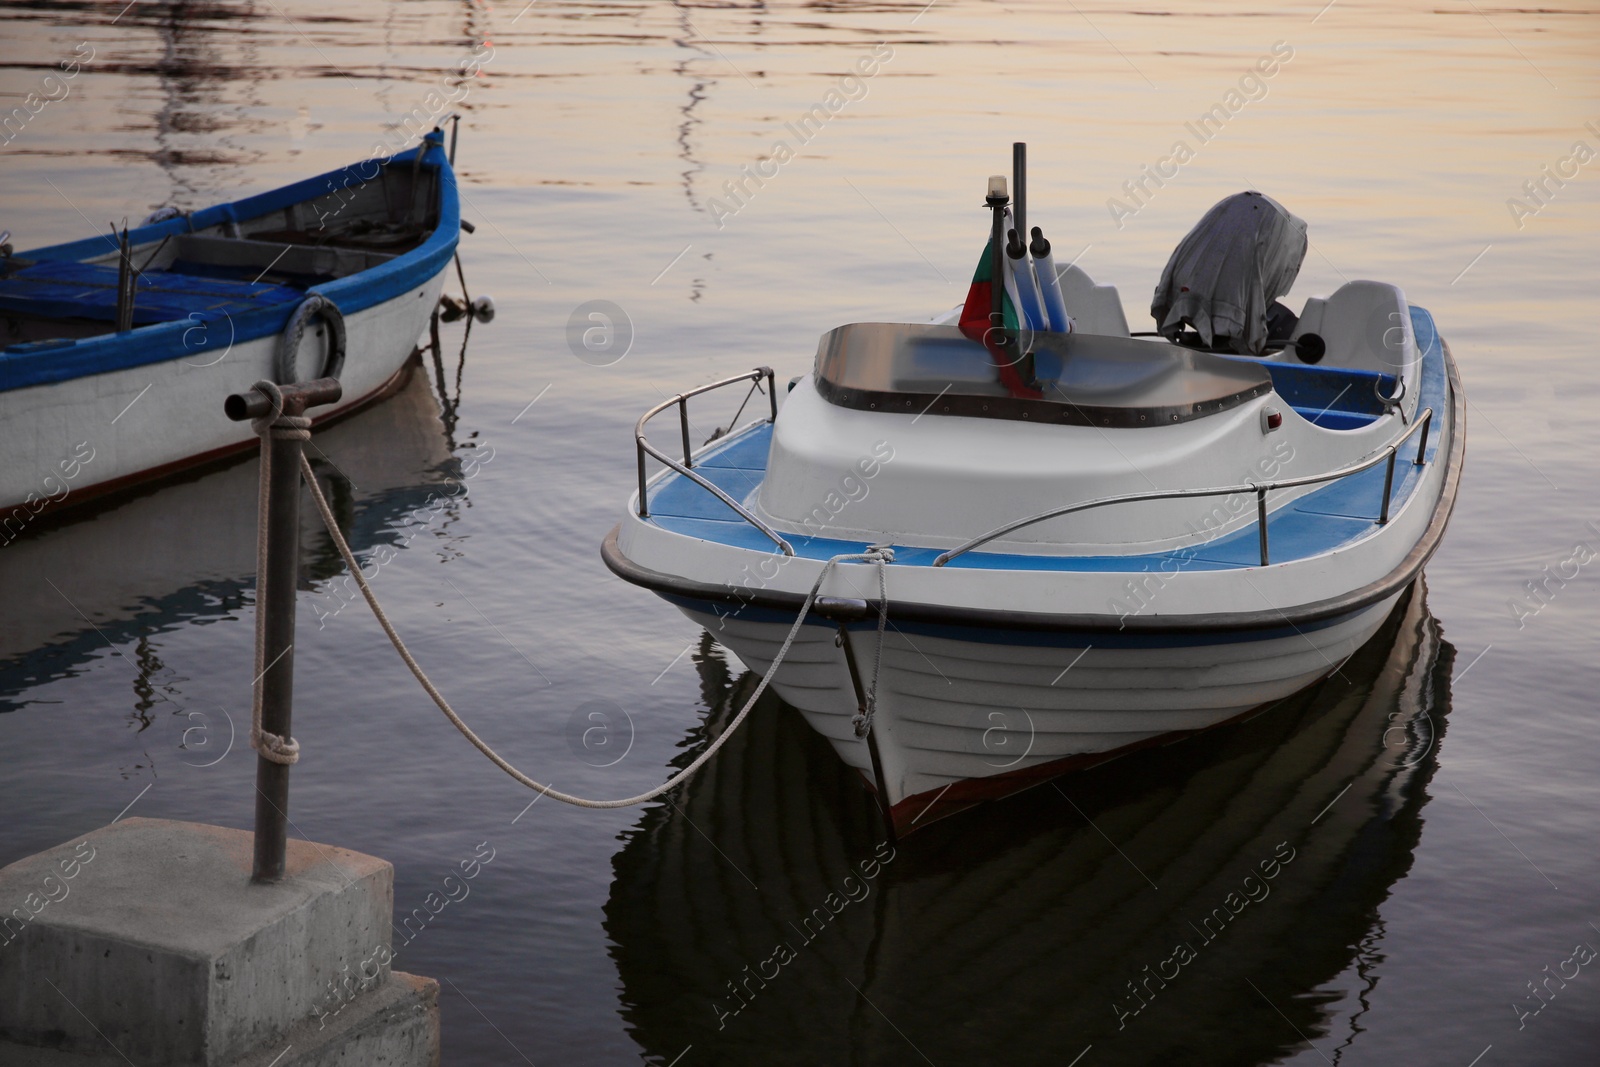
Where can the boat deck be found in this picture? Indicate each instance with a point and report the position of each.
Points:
(1321, 521)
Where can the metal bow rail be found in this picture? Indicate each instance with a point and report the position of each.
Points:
(686, 467)
(1260, 489)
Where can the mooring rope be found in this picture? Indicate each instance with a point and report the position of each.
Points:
(872, 555)
(881, 554)
(271, 746)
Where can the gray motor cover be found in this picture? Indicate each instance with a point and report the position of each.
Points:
(1226, 272)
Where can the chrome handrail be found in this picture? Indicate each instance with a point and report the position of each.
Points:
(1260, 489)
(685, 468)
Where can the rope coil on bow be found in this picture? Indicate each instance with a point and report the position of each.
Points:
(271, 746)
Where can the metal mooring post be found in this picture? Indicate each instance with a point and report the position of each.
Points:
(278, 415)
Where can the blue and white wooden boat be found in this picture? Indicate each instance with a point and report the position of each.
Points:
(1159, 538)
(110, 376)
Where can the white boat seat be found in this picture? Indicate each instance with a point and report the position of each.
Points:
(1094, 308)
(1365, 326)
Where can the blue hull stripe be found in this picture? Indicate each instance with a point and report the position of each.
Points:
(993, 635)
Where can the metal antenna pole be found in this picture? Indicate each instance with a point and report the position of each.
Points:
(1019, 188)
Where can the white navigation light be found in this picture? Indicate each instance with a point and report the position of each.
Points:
(997, 186)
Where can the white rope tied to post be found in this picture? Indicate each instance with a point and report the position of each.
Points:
(872, 555)
(271, 746)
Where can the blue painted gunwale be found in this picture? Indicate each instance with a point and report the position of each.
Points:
(166, 341)
(1328, 518)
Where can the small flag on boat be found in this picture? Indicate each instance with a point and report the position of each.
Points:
(1009, 348)
(975, 313)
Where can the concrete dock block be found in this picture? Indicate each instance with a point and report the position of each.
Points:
(146, 938)
(395, 1024)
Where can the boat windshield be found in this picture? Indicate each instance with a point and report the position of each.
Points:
(1073, 379)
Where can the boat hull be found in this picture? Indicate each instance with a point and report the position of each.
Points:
(1011, 938)
(965, 716)
(75, 440)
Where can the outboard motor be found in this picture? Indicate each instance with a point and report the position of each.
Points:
(1225, 275)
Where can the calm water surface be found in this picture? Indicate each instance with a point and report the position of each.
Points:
(1407, 914)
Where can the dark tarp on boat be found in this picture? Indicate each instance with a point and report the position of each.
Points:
(1226, 273)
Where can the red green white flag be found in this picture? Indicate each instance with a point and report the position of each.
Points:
(976, 324)
(975, 313)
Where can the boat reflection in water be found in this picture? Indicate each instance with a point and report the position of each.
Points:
(184, 551)
(1224, 885)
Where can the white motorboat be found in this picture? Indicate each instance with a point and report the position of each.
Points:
(1088, 542)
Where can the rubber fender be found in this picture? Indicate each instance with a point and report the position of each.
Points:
(312, 307)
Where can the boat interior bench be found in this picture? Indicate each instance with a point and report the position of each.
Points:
(59, 289)
(245, 259)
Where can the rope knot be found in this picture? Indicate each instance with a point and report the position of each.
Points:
(276, 748)
(274, 395)
(291, 428)
(276, 424)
